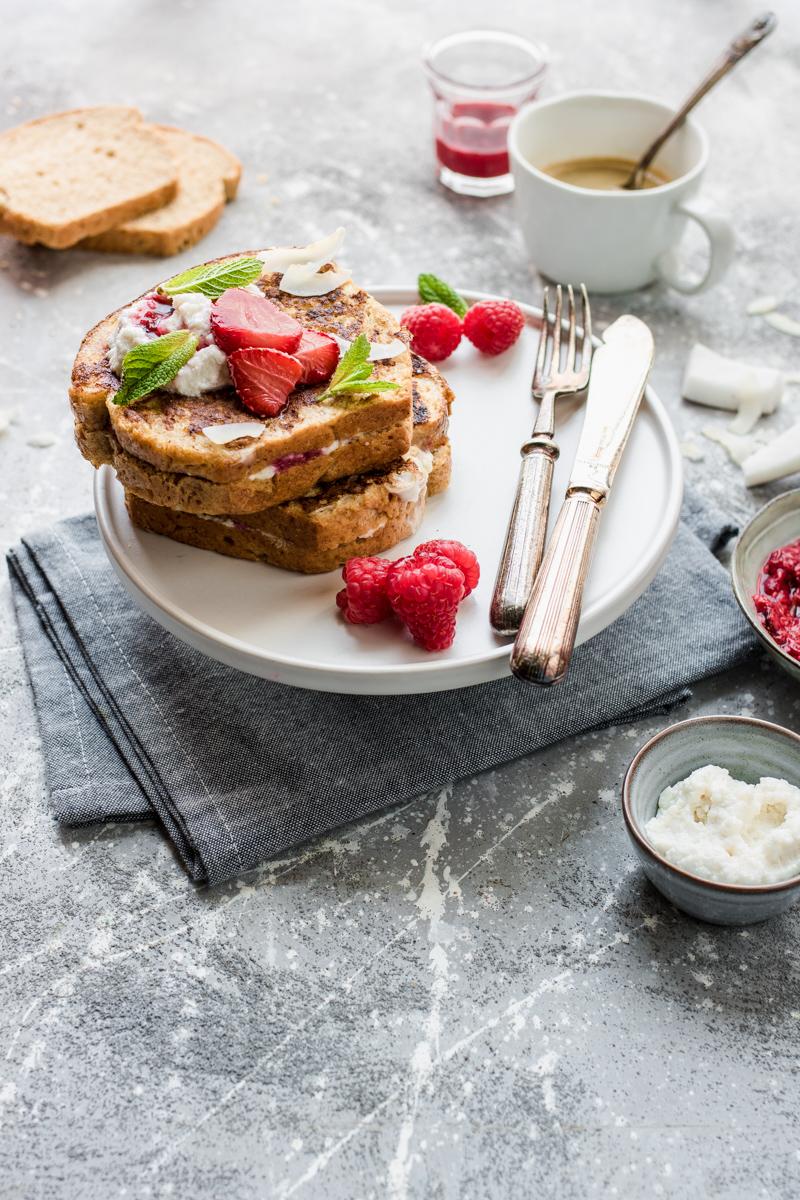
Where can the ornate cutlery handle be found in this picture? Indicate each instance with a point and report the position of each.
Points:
(546, 637)
(525, 537)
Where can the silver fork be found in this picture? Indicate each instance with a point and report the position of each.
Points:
(527, 527)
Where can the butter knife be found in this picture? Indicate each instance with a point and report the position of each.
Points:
(620, 368)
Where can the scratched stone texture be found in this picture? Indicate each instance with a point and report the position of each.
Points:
(476, 995)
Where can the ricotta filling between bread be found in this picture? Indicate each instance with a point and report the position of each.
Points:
(410, 482)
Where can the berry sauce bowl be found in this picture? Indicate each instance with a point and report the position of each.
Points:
(775, 525)
(750, 750)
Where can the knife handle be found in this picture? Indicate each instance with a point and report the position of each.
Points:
(524, 545)
(546, 637)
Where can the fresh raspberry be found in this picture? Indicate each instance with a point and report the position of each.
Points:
(241, 320)
(458, 553)
(264, 378)
(494, 325)
(318, 355)
(425, 593)
(363, 599)
(435, 330)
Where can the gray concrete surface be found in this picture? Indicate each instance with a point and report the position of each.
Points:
(477, 995)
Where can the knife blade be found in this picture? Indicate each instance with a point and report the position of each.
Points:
(620, 368)
(546, 637)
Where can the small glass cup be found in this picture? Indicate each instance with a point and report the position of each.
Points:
(479, 80)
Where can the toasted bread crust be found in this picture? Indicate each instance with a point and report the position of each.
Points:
(370, 519)
(44, 164)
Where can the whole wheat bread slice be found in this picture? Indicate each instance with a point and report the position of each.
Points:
(208, 175)
(75, 174)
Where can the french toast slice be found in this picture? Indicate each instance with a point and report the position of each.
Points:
(160, 442)
(432, 398)
(45, 165)
(352, 517)
(208, 176)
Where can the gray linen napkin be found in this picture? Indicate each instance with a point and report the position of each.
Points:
(134, 723)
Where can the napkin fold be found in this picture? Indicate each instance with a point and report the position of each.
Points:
(136, 724)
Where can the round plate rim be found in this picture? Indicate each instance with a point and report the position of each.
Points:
(105, 478)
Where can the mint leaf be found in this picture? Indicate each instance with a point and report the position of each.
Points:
(212, 279)
(436, 291)
(353, 375)
(150, 366)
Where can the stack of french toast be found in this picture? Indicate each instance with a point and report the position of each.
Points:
(320, 481)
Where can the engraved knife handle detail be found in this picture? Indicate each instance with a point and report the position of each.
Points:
(527, 528)
(546, 637)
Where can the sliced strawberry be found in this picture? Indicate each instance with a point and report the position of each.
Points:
(241, 319)
(318, 355)
(263, 378)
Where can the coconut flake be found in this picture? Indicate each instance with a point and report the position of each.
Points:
(762, 305)
(783, 323)
(42, 441)
(778, 458)
(303, 279)
(751, 410)
(315, 254)
(691, 450)
(378, 351)
(720, 382)
(738, 446)
(220, 435)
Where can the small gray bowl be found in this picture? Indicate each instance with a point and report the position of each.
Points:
(774, 525)
(750, 749)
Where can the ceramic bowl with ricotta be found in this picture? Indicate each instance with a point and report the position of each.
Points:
(776, 524)
(750, 750)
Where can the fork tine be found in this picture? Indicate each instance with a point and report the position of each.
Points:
(544, 335)
(556, 360)
(586, 347)
(570, 365)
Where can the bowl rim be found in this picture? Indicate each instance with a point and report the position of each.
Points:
(742, 594)
(739, 889)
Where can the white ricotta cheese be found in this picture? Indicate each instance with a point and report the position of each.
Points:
(206, 370)
(194, 312)
(729, 831)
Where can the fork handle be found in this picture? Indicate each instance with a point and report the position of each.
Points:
(546, 637)
(525, 537)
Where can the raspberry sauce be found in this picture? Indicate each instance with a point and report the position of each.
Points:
(472, 138)
(777, 600)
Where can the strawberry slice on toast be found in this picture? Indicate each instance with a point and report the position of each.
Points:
(241, 320)
(264, 378)
(318, 355)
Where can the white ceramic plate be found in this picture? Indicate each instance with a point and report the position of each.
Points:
(286, 627)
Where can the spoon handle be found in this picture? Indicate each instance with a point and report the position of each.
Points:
(743, 44)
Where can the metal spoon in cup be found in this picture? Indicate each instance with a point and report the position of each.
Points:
(743, 44)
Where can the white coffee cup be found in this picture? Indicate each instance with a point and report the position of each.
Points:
(613, 241)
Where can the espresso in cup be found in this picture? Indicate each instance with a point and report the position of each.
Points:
(605, 173)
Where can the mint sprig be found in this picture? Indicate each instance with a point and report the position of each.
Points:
(212, 279)
(352, 375)
(435, 291)
(154, 364)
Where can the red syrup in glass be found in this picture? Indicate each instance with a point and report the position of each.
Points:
(472, 138)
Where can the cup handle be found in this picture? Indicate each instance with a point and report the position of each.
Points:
(721, 246)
